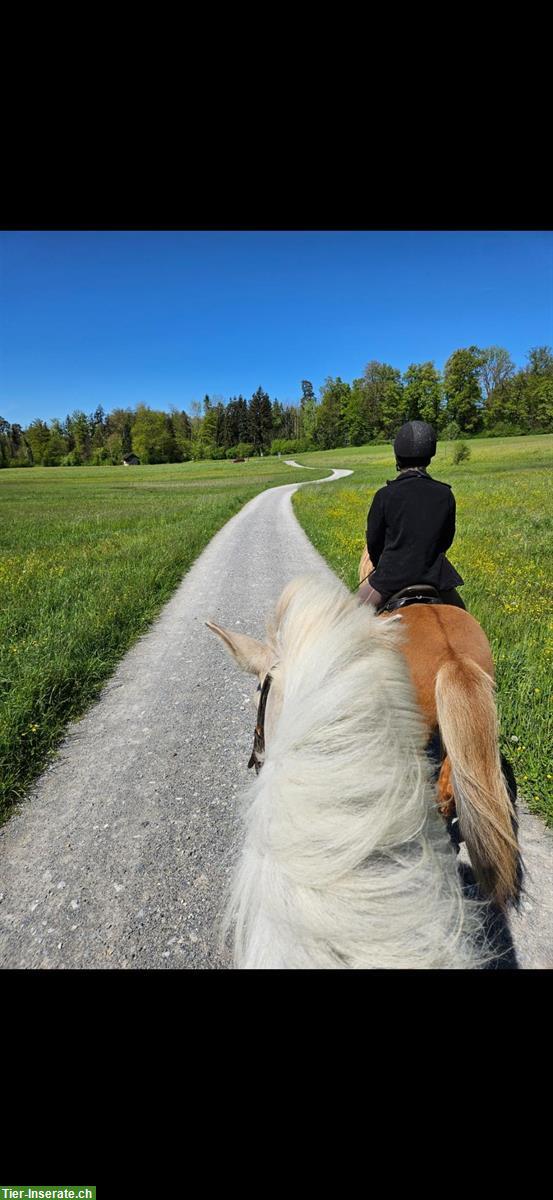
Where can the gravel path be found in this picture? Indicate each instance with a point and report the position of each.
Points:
(121, 852)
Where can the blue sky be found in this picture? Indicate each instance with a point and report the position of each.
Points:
(120, 318)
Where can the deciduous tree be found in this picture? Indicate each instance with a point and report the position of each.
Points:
(423, 393)
(462, 388)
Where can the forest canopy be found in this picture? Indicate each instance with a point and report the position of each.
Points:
(480, 391)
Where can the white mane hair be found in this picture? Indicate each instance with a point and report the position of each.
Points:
(346, 860)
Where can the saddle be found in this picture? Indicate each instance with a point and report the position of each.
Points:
(417, 593)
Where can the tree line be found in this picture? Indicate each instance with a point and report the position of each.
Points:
(479, 392)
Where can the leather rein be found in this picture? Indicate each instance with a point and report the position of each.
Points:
(259, 734)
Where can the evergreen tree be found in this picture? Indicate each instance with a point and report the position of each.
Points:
(38, 436)
(119, 422)
(277, 415)
(196, 427)
(57, 446)
(126, 436)
(169, 446)
(243, 419)
(233, 424)
(261, 421)
(308, 409)
(290, 422)
(183, 434)
(98, 435)
(79, 427)
(220, 428)
(15, 450)
(4, 428)
(208, 436)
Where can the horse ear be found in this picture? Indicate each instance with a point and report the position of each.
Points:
(252, 656)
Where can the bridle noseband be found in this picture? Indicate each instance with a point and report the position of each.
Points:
(259, 735)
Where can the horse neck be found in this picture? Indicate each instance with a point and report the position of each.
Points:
(346, 861)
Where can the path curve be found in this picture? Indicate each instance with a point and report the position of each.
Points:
(121, 852)
(291, 463)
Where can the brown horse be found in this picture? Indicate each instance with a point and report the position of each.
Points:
(451, 665)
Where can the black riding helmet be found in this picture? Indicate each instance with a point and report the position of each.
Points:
(415, 444)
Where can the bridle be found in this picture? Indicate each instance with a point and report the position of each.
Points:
(259, 734)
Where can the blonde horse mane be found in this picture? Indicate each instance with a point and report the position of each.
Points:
(346, 861)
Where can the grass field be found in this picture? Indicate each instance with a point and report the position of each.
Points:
(88, 556)
(503, 550)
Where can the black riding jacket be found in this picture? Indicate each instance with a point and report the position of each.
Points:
(411, 523)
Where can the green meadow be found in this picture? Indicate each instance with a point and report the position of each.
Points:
(503, 549)
(88, 556)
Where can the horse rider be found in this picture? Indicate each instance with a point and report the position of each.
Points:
(411, 524)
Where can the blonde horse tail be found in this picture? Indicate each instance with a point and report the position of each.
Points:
(467, 717)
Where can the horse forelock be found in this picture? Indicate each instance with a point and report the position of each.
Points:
(314, 613)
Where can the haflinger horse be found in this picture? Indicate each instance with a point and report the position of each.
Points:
(346, 861)
(451, 665)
